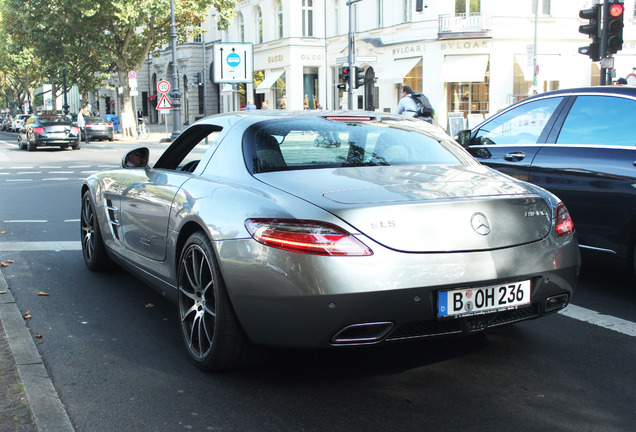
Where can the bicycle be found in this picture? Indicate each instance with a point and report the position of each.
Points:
(142, 129)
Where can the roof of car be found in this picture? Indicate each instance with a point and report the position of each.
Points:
(615, 89)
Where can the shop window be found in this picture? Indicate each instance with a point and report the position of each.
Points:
(414, 79)
(470, 97)
(310, 88)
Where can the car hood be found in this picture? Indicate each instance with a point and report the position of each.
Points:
(426, 208)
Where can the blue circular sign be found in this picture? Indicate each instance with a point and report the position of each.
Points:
(233, 60)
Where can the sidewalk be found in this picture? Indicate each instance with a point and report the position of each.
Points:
(158, 135)
(28, 400)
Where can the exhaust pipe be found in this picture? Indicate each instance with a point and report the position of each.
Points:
(556, 303)
(363, 333)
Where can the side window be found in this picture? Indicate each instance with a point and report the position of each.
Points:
(520, 125)
(597, 120)
(185, 153)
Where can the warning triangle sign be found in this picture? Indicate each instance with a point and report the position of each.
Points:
(164, 102)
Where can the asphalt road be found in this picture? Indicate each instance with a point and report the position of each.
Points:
(112, 347)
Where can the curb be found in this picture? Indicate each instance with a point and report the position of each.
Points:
(46, 407)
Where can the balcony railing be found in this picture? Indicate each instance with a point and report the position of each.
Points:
(463, 23)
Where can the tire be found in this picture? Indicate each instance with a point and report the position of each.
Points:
(30, 145)
(95, 255)
(20, 144)
(77, 145)
(210, 329)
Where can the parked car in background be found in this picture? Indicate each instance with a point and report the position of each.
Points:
(5, 124)
(18, 121)
(98, 128)
(263, 238)
(49, 130)
(580, 144)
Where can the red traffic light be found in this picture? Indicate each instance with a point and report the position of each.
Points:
(616, 10)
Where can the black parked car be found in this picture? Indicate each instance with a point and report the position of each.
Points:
(98, 128)
(49, 130)
(580, 144)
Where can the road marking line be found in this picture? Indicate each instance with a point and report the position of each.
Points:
(19, 180)
(26, 221)
(598, 319)
(55, 178)
(71, 220)
(40, 246)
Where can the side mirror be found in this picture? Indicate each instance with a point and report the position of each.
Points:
(463, 137)
(137, 158)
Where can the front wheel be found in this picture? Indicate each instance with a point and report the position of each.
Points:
(143, 131)
(77, 145)
(210, 329)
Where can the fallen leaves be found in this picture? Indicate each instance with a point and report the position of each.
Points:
(27, 315)
(37, 335)
(42, 293)
(150, 305)
(6, 264)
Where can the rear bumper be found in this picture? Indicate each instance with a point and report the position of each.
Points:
(43, 142)
(327, 301)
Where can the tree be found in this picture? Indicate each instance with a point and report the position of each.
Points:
(94, 37)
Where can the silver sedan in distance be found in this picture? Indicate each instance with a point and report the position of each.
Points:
(262, 238)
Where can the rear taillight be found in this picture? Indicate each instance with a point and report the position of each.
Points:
(349, 118)
(564, 224)
(108, 125)
(75, 130)
(304, 236)
(39, 130)
(89, 125)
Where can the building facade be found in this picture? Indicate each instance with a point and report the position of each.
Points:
(470, 57)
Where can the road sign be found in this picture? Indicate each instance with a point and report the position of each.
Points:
(163, 86)
(233, 63)
(164, 103)
(132, 75)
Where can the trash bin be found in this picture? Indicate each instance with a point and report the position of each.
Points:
(114, 120)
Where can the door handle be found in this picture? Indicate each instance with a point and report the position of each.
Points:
(514, 156)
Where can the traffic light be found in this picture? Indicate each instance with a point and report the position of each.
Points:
(614, 27)
(593, 29)
(359, 78)
(345, 78)
(198, 80)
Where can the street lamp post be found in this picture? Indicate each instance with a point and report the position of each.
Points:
(65, 106)
(175, 94)
(350, 45)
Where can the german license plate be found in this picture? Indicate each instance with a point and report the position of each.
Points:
(475, 301)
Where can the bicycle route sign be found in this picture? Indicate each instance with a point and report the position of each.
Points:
(233, 63)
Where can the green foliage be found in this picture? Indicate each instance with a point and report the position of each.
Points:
(90, 38)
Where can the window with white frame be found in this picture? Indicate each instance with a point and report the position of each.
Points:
(259, 26)
(279, 19)
(544, 7)
(407, 13)
(336, 18)
(471, 6)
(308, 17)
(198, 38)
(379, 15)
(241, 27)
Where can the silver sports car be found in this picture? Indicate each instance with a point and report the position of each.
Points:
(262, 237)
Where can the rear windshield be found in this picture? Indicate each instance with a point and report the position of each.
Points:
(306, 143)
(97, 120)
(49, 121)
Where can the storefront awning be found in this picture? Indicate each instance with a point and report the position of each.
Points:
(550, 67)
(270, 80)
(465, 68)
(400, 68)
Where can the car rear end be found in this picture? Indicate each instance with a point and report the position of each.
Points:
(99, 128)
(55, 131)
(397, 233)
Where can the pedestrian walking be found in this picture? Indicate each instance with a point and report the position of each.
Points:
(250, 106)
(415, 105)
(81, 124)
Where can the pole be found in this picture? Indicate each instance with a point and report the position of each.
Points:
(350, 46)
(65, 106)
(534, 54)
(205, 105)
(175, 93)
(603, 51)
